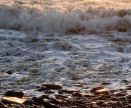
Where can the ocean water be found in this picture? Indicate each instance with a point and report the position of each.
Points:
(68, 42)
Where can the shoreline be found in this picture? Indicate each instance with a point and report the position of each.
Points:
(68, 98)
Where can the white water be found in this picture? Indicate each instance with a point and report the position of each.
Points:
(64, 16)
(66, 42)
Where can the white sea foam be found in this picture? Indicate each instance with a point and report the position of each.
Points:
(65, 16)
(28, 60)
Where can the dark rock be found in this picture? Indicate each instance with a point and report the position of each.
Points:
(11, 71)
(77, 94)
(14, 94)
(120, 94)
(122, 13)
(28, 102)
(49, 92)
(105, 83)
(49, 86)
(114, 99)
(2, 105)
(100, 103)
(49, 105)
(128, 88)
(40, 101)
(129, 98)
(122, 29)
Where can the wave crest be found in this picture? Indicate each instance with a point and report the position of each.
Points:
(76, 20)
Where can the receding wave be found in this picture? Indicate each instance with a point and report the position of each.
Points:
(46, 18)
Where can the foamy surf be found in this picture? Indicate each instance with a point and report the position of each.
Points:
(72, 16)
(67, 42)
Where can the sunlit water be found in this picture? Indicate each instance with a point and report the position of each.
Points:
(65, 41)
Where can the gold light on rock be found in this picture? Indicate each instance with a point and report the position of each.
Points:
(14, 99)
(102, 90)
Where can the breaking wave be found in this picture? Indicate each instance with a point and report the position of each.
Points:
(46, 18)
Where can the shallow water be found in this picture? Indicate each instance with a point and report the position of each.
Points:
(64, 42)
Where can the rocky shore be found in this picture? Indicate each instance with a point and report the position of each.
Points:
(98, 97)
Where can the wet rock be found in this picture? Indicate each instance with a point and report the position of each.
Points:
(129, 98)
(126, 82)
(11, 71)
(46, 104)
(122, 13)
(38, 101)
(49, 86)
(99, 90)
(2, 105)
(122, 29)
(77, 94)
(78, 85)
(14, 94)
(120, 94)
(11, 100)
(105, 83)
(28, 102)
(128, 88)
(49, 92)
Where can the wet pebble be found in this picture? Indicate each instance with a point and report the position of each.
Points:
(14, 94)
(99, 90)
(49, 87)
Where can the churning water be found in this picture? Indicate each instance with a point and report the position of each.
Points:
(66, 42)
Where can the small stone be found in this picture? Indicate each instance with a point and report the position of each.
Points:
(105, 83)
(87, 95)
(99, 90)
(78, 85)
(13, 100)
(77, 94)
(122, 30)
(120, 94)
(49, 86)
(10, 71)
(14, 94)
